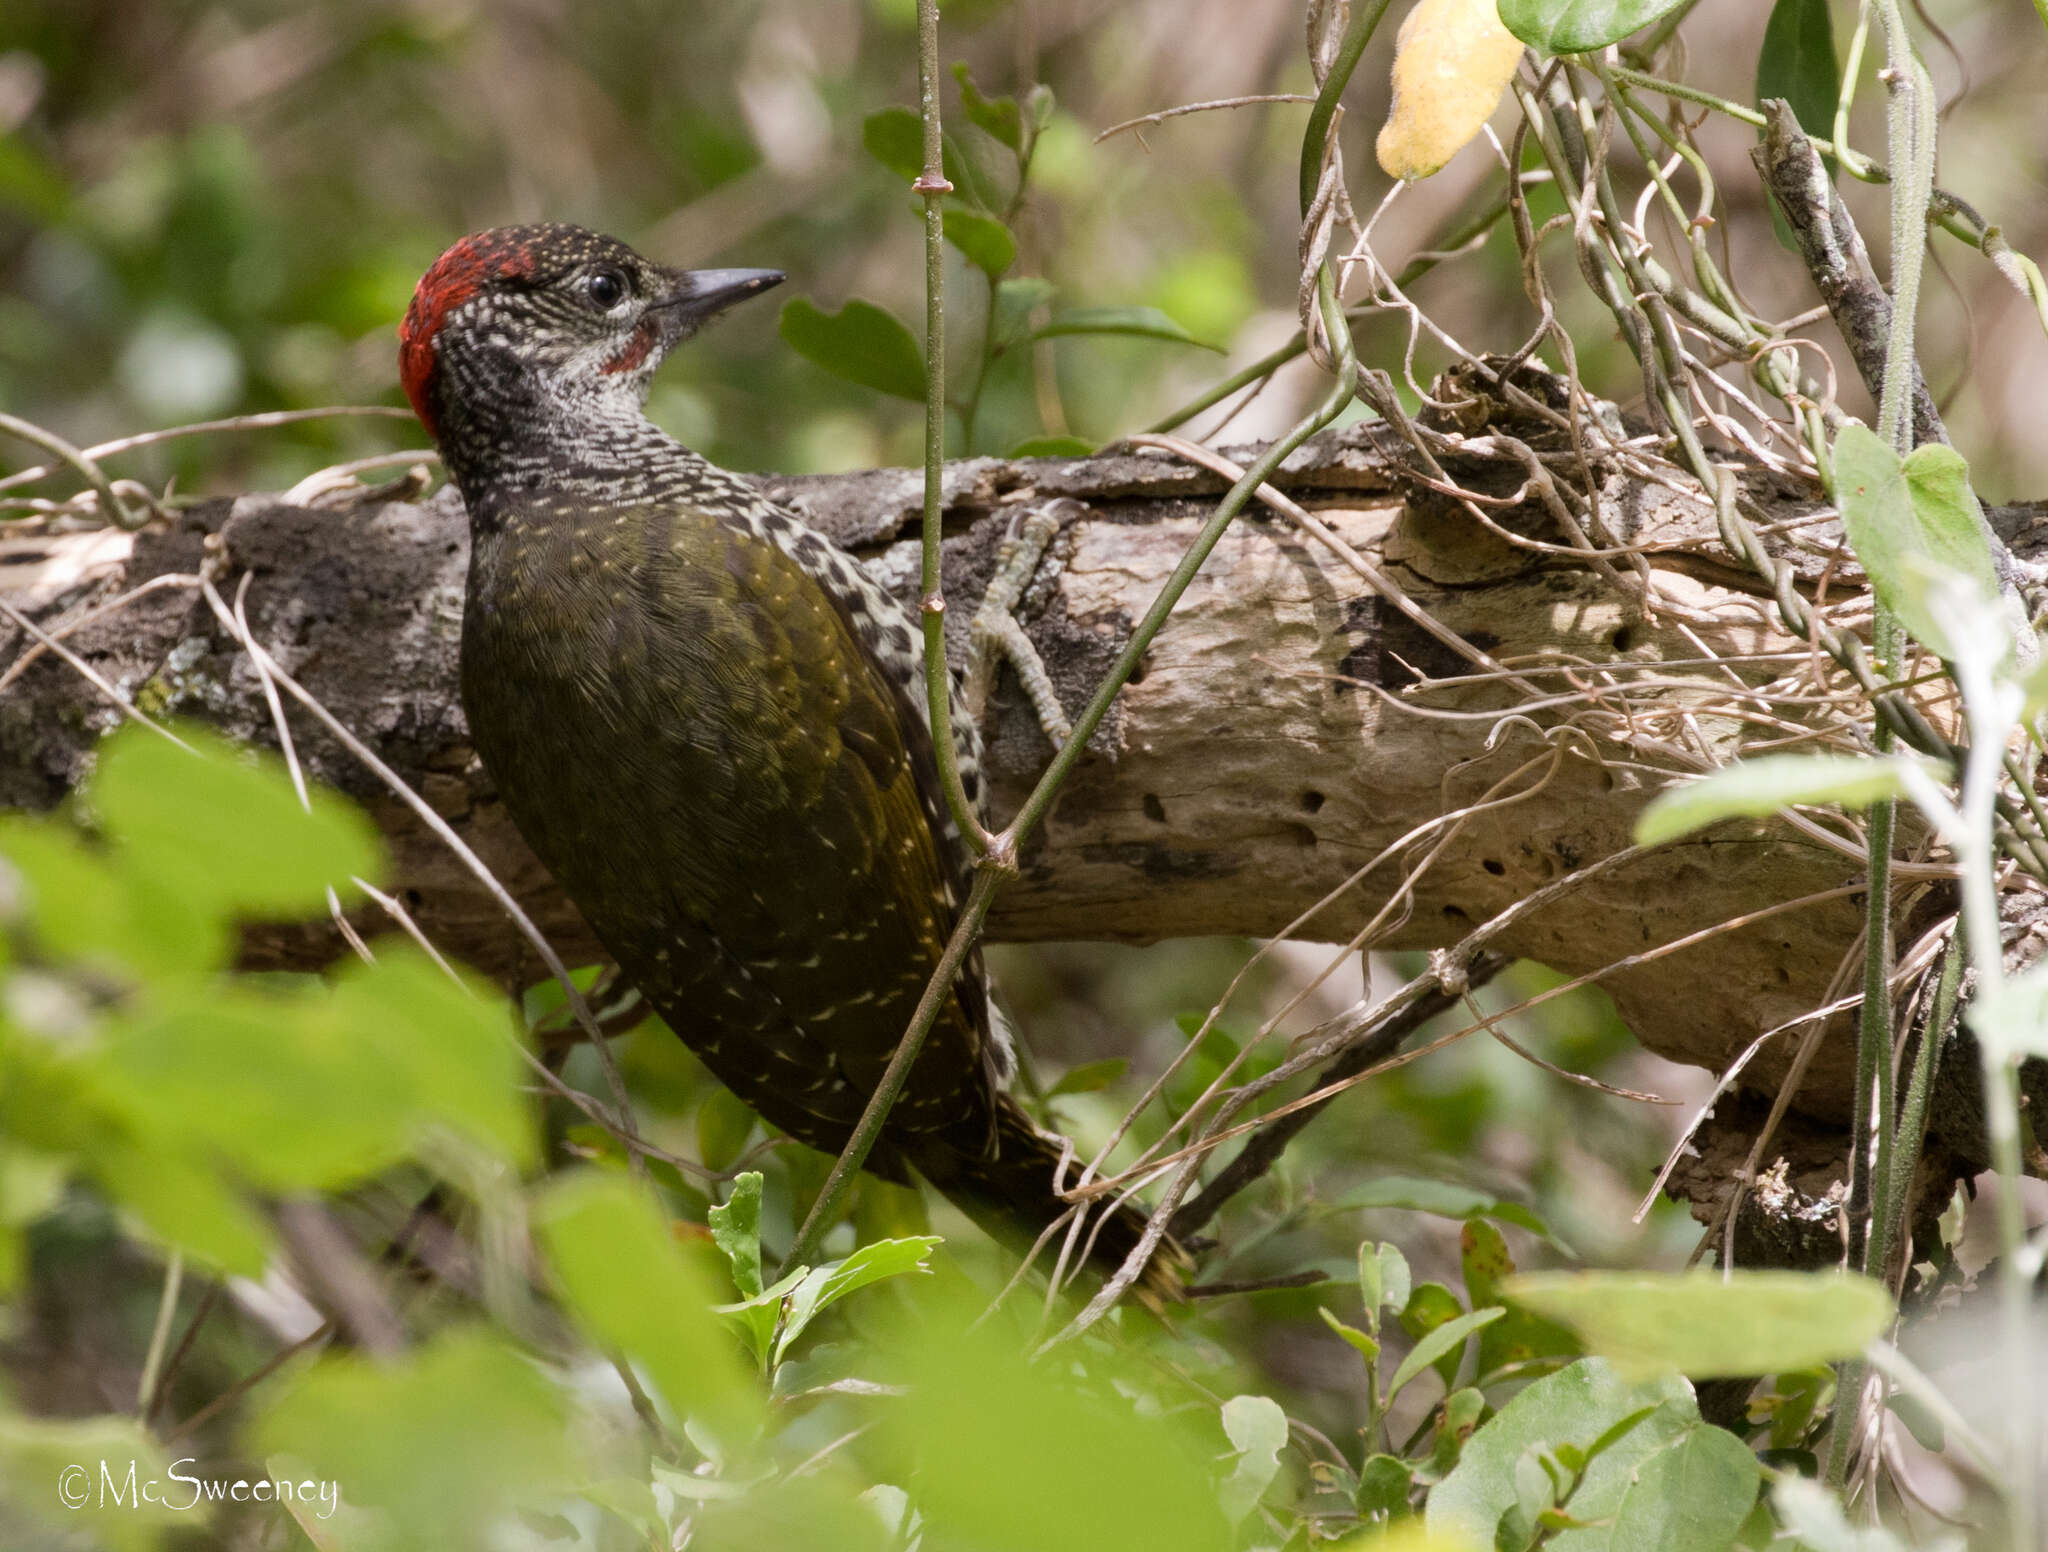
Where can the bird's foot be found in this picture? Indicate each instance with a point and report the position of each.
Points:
(995, 636)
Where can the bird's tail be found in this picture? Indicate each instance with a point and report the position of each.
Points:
(1009, 1191)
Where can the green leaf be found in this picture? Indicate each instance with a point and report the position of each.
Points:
(736, 1230)
(2011, 1016)
(1432, 1305)
(1575, 1406)
(1384, 1281)
(1368, 1347)
(996, 116)
(1754, 788)
(860, 343)
(1456, 1418)
(447, 1444)
(1539, 1484)
(31, 1184)
(1578, 26)
(1257, 1430)
(758, 1316)
(1443, 1199)
(827, 1285)
(86, 907)
(1089, 1077)
(895, 138)
(817, 1510)
(1016, 299)
(874, 1262)
(634, 1291)
(1912, 523)
(100, 1465)
(1813, 1517)
(1483, 1258)
(985, 241)
(1518, 1335)
(1797, 63)
(1137, 322)
(1791, 1402)
(724, 1123)
(1384, 1482)
(445, 1042)
(1703, 1324)
(322, 1088)
(184, 1202)
(1019, 1458)
(224, 831)
(1040, 103)
(1952, 521)
(1052, 447)
(1691, 1496)
(1439, 1343)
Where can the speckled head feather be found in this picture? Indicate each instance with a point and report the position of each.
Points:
(580, 307)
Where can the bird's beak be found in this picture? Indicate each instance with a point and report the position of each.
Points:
(701, 293)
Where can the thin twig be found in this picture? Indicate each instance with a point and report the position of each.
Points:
(1199, 107)
(1372, 1041)
(329, 1265)
(249, 1381)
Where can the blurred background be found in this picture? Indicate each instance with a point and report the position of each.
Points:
(208, 209)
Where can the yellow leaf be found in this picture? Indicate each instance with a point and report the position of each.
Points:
(1452, 61)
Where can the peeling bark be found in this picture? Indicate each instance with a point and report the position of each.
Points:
(1278, 740)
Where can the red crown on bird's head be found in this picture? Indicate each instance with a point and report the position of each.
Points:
(504, 253)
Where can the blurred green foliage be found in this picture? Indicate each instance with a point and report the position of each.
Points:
(139, 1071)
(210, 210)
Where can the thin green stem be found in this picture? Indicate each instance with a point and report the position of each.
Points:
(938, 683)
(1913, 1109)
(1852, 72)
(1316, 134)
(1269, 363)
(1452, 242)
(1910, 133)
(159, 1336)
(1874, 1029)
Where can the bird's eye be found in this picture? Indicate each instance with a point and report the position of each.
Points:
(605, 287)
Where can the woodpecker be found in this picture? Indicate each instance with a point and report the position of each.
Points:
(709, 721)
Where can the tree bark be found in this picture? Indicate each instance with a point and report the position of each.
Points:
(1286, 730)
